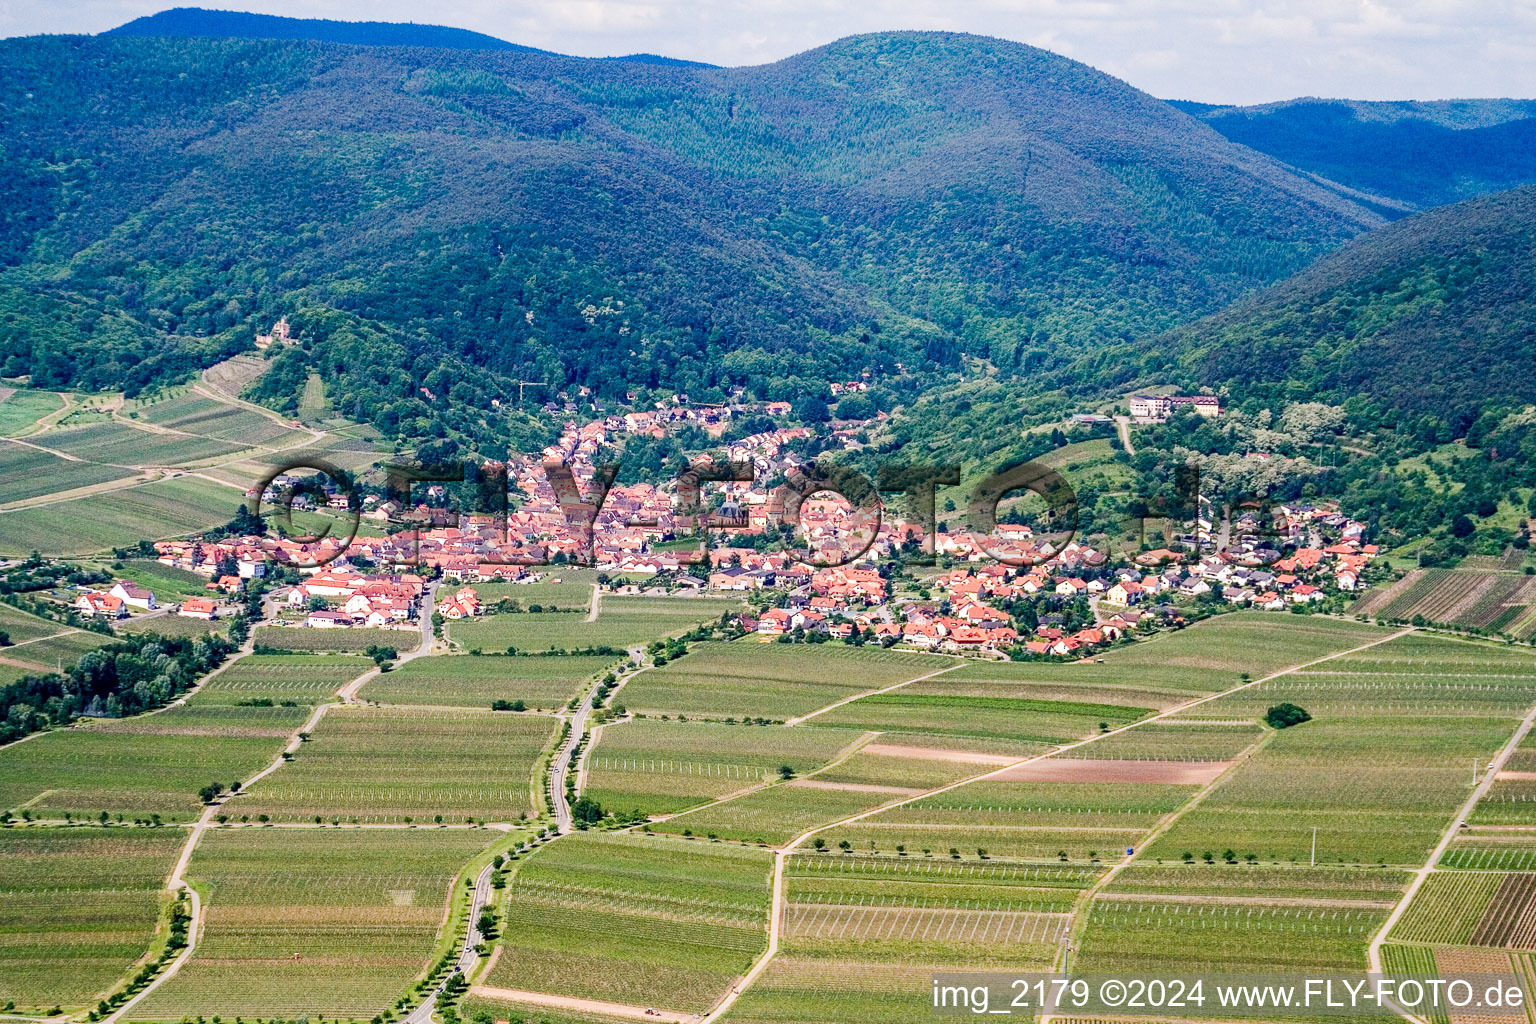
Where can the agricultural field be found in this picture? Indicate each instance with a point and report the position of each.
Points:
(170, 584)
(664, 767)
(27, 473)
(1481, 851)
(1044, 681)
(1448, 907)
(1494, 600)
(152, 764)
(300, 639)
(776, 681)
(641, 920)
(864, 936)
(1175, 936)
(124, 445)
(78, 907)
(172, 625)
(1363, 885)
(118, 518)
(1412, 676)
(1401, 721)
(781, 812)
(59, 650)
(331, 922)
(21, 409)
(24, 626)
(305, 679)
(541, 682)
(622, 622)
(993, 723)
(192, 413)
(396, 765)
(1406, 777)
(565, 588)
(1043, 819)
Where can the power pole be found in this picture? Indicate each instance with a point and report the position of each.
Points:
(1314, 846)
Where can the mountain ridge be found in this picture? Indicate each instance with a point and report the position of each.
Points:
(887, 203)
(1417, 153)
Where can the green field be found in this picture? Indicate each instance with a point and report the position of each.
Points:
(562, 587)
(306, 679)
(23, 626)
(120, 518)
(1447, 908)
(622, 622)
(300, 638)
(1005, 721)
(1177, 937)
(864, 936)
(170, 585)
(193, 414)
(59, 651)
(633, 919)
(22, 408)
(775, 815)
(663, 767)
(172, 625)
(78, 907)
(26, 473)
(389, 764)
(123, 445)
(544, 682)
(776, 681)
(312, 922)
(1090, 823)
(151, 764)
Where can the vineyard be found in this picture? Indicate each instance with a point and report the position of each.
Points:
(1491, 601)
(776, 681)
(193, 414)
(301, 640)
(664, 767)
(78, 907)
(119, 518)
(1447, 908)
(313, 922)
(621, 623)
(152, 764)
(543, 683)
(27, 473)
(1175, 937)
(394, 765)
(282, 677)
(1001, 720)
(637, 920)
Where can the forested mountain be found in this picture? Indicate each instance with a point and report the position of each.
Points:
(1420, 154)
(457, 220)
(1428, 324)
(197, 21)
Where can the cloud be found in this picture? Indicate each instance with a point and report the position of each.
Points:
(1235, 51)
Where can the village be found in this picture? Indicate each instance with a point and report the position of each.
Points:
(1011, 593)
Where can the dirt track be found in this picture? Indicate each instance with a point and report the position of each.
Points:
(517, 995)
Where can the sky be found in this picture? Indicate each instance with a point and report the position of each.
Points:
(1218, 51)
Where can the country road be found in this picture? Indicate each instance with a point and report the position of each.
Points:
(467, 955)
(561, 767)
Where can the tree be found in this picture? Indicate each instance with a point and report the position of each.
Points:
(587, 810)
(1283, 716)
(786, 772)
(1462, 527)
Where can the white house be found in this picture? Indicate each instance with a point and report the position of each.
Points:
(133, 595)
